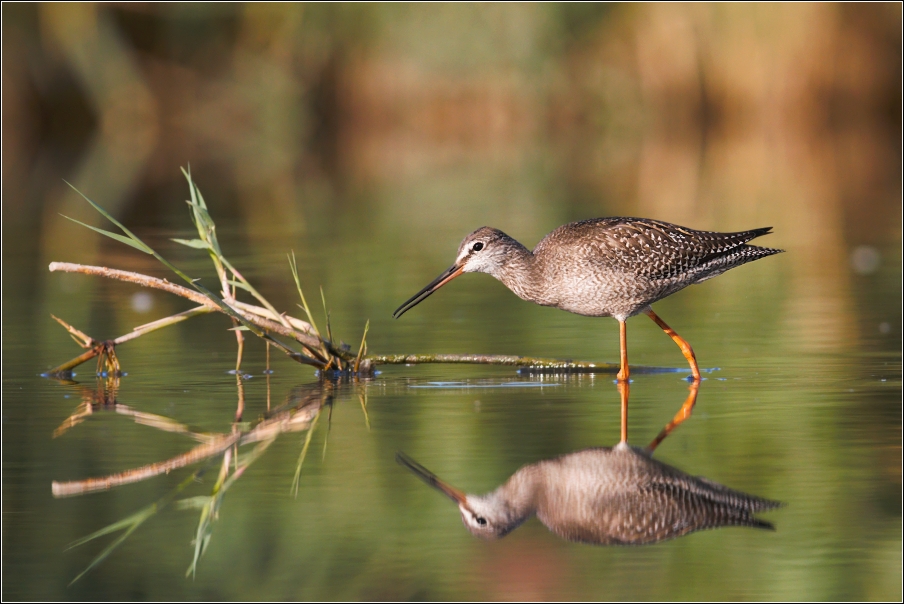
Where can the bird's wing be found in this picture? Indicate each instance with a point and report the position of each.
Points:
(649, 248)
(663, 509)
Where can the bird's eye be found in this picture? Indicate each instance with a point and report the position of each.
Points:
(481, 521)
(477, 246)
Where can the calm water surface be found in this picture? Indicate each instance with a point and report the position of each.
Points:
(803, 406)
(370, 139)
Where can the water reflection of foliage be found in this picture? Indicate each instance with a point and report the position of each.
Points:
(299, 413)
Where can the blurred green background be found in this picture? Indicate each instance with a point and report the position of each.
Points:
(370, 139)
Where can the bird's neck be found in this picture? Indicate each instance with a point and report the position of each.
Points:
(517, 272)
(517, 498)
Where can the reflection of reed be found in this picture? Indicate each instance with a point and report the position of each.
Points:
(607, 496)
(299, 413)
(201, 452)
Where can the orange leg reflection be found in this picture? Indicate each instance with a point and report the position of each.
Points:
(682, 344)
(683, 414)
(623, 390)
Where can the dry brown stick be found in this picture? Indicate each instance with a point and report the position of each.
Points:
(259, 316)
(139, 279)
(81, 338)
(199, 453)
(161, 323)
(240, 342)
(311, 343)
(296, 324)
(108, 347)
(490, 359)
(71, 364)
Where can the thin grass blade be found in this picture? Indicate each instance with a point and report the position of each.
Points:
(107, 551)
(135, 243)
(194, 243)
(138, 243)
(304, 306)
(363, 347)
(304, 452)
(192, 503)
(134, 520)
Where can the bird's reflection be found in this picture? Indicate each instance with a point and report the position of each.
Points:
(606, 495)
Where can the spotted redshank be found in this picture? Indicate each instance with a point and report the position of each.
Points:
(606, 496)
(604, 267)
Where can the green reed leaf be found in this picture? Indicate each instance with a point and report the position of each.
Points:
(135, 243)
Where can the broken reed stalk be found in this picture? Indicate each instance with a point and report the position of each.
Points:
(494, 359)
(301, 331)
(208, 241)
(263, 320)
(256, 315)
(106, 348)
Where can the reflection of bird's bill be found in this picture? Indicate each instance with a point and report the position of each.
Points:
(434, 285)
(431, 479)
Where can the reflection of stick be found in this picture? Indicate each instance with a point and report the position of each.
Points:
(152, 420)
(161, 422)
(240, 408)
(297, 418)
(90, 485)
(267, 373)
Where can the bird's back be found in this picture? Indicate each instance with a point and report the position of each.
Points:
(618, 266)
(623, 496)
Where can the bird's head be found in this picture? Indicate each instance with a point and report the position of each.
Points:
(487, 517)
(483, 251)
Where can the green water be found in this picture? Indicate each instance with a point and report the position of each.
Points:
(803, 407)
(370, 139)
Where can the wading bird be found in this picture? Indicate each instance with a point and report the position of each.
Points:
(604, 267)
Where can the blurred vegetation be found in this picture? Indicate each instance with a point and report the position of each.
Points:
(417, 118)
(370, 139)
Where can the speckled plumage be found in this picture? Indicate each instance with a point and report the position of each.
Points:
(611, 266)
(609, 496)
(604, 267)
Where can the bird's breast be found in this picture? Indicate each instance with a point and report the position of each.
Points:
(599, 292)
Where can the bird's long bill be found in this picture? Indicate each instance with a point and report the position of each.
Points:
(434, 285)
(430, 478)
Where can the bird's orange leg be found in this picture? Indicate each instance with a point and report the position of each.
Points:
(682, 343)
(683, 414)
(623, 336)
(623, 389)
